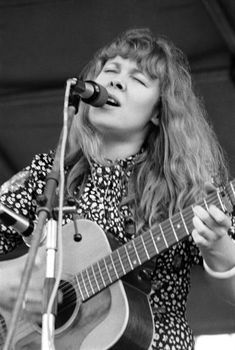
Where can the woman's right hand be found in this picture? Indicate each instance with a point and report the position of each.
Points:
(10, 278)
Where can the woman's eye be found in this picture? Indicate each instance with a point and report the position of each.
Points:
(139, 81)
(109, 70)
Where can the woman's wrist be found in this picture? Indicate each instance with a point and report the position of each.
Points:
(218, 274)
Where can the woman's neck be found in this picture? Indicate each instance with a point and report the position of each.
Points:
(114, 150)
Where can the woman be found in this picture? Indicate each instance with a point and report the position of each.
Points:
(134, 163)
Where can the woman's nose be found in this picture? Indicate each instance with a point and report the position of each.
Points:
(118, 84)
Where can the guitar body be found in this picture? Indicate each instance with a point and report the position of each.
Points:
(118, 317)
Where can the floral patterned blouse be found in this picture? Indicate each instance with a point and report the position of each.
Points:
(100, 201)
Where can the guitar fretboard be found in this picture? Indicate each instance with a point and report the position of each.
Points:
(141, 249)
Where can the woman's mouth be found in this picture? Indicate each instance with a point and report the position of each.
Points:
(113, 101)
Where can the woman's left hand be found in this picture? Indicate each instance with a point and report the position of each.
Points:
(211, 236)
(209, 226)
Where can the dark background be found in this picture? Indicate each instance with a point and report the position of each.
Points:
(45, 42)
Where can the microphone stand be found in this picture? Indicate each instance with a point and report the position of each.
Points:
(51, 284)
(48, 318)
(44, 213)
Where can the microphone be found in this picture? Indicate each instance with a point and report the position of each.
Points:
(23, 226)
(89, 91)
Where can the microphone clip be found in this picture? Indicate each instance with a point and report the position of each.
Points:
(74, 97)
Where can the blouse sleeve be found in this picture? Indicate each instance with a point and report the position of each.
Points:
(20, 193)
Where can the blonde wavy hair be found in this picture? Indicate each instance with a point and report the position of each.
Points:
(181, 154)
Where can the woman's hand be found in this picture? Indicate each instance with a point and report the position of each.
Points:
(210, 226)
(211, 236)
(10, 276)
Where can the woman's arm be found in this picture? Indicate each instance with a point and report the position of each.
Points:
(217, 248)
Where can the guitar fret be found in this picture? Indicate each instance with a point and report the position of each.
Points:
(140, 249)
(89, 277)
(83, 286)
(133, 254)
(110, 267)
(129, 260)
(96, 281)
(121, 264)
(117, 263)
(179, 226)
(124, 256)
(146, 252)
(186, 229)
(101, 275)
(154, 244)
(137, 255)
(103, 272)
(107, 270)
(158, 237)
(176, 237)
(79, 287)
(163, 235)
(150, 244)
(86, 283)
(220, 201)
(188, 215)
(92, 279)
(117, 276)
(169, 235)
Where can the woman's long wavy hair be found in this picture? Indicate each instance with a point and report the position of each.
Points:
(181, 154)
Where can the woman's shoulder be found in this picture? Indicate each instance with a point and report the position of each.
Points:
(40, 165)
(42, 161)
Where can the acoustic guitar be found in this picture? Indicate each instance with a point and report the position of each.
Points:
(99, 310)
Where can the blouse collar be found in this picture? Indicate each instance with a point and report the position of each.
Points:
(125, 165)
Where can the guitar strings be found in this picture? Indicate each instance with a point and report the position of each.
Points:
(91, 280)
(139, 247)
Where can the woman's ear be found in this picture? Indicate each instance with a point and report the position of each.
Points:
(155, 119)
(156, 114)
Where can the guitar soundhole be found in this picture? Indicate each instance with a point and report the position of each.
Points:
(67, 305)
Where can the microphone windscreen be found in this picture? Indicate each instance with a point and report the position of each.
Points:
(99, 97)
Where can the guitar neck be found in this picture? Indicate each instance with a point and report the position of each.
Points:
(144, 247)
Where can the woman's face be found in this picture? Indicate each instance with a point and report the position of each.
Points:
(136, 95)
